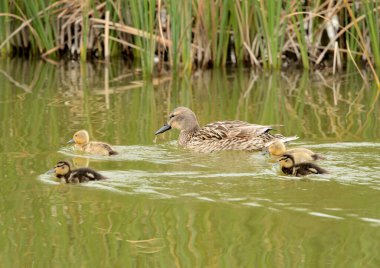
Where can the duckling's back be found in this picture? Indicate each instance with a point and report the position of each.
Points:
(304, 169)
(100, 148)
(304, 155)
(84, 175)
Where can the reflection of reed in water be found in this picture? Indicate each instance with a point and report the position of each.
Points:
(309, 105)
(147, 246)
(79, 162)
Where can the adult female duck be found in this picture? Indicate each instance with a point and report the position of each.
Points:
(221, 135)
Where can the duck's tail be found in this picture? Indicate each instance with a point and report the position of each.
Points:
(318, 157)
(316, 169)
(287, 139)
(113, 153)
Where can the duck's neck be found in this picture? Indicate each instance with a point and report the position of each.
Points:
(186, 135)
(80, 146)
(66, 176)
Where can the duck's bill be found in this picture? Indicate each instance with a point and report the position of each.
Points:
(51, 171)
(70, 141)
(163, 129)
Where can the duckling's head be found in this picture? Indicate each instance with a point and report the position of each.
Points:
(181, 118)
(80, 137)
(61, 168)
(286, 161)
(277, 148)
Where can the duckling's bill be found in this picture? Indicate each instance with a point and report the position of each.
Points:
(70, 141)
(166, 127)
(51, 171)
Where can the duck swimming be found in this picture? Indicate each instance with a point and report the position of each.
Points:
(83, 143)
(62, 171)
(289, 167)
(217, 136)
(277, 148)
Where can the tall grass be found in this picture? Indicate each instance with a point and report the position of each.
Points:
(179, 35)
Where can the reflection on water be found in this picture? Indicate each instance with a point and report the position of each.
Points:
(167, 207)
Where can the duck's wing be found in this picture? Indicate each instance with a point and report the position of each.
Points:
(102, 148)
(231, 129)
(86, 174)
(314, 169)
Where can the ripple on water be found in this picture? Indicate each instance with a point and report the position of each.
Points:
(237, 178)
(375, 222)
(324, 215)
(340, 145)
(154, 154)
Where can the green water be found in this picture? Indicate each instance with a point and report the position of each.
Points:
(167, 207)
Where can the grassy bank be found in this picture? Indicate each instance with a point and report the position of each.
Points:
(171, 34)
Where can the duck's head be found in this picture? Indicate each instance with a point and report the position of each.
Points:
(61, 168)
(181, 118)
(286, 161)
(277, 148)
(80, 137)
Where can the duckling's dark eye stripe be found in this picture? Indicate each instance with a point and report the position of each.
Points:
(60, 164)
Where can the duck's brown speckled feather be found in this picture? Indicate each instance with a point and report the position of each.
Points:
(228, 135)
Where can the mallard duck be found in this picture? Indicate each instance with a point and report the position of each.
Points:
(62, 171)
(289, 167)
(277, 148)
(83, 143)
(217, 136)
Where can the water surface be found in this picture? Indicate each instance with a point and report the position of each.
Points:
(167, 207)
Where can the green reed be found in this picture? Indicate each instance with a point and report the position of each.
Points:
(372, 21)
(194, 33)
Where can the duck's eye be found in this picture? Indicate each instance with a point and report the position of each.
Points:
(171, 116)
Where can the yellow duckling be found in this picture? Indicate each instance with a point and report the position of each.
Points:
(217, 136)
(83, 143)
(277, 149)
(289, 167)
(62, 171)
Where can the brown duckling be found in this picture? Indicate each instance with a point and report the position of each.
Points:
(83, 143)
(277, 149)
(289, 167)
(62, 171)
(217, 136)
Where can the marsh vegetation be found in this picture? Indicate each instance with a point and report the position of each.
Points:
(183, 35)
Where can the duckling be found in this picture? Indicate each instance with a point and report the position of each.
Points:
(83, 143)
(289, 167)
(277, 148)
(217, 136)
(62, 171)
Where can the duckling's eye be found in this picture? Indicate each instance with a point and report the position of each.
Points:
(171, 116)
